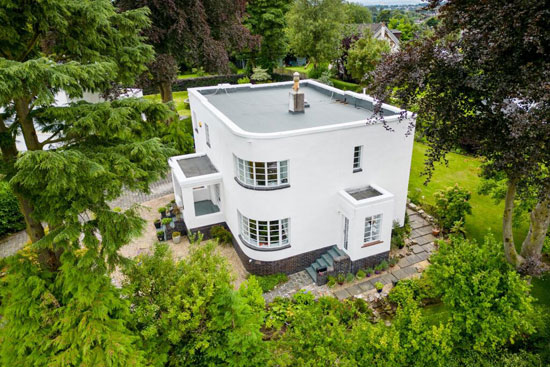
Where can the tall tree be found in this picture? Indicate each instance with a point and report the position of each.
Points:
(483, 76)
(267, 18)
(358, 13)
(364, 55)
(315, 29)
(191, 33)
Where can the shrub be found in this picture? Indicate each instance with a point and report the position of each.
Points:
(350, 277)
(161, 210)
(384, 265)
(546, 246)
(331, 281)
(117, 209)
(393, 261)
(316, 73)
(221, 234)
(369, 271)
(418, 289)
(268, 282)
(325, 78)
(378, 286)
(378, 268)
(260, 75)
(341, 278)
(11, 219)
(360, 274)
(451, 205)
(243, 80)
(399, 233)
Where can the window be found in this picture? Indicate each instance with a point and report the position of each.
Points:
(372, 228)
(346, 232)
(261, 174)
(207, 134)
(357, 158)
(264, 233)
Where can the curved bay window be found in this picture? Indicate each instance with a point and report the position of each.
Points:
(261, 174)
(264, 234)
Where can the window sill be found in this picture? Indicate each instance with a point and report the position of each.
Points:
(356, 170)
(368, 244)
(256, 248)
(262, 188)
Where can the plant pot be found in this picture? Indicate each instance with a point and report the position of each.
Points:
(340, 283)
(176, 239)
(377, 272)
(158, 224)
(160, 237)
(436, 232)
(379, 290)
(163, 215)
(368, 275)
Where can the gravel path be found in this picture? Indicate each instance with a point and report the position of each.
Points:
(10, 245)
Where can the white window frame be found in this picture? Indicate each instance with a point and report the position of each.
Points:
(357, 157)
(207, 134)
(264, 234)
(261, 174)
(373, 228)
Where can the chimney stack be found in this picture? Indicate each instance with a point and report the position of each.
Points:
(296, 97)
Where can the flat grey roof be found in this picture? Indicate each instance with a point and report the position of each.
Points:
(265, 109)
(196, 166)
(364, 193)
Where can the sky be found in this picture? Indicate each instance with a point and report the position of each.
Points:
(387, 2)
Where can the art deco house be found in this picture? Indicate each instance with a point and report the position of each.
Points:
(299, 173)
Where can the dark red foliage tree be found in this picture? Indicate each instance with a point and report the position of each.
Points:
(193, 33)
(484, 76)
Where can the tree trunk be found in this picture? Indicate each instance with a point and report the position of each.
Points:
(540, 221)
(166, 92)
(507, 230)
(27, 125)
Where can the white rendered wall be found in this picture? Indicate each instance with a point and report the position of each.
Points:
(320, 165)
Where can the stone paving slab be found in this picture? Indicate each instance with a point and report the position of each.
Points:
(427, 229)
(413, 259)
(416, 249)
(366, 286)
(399, 274)
(425, 239)
(342, 294)
(354, 290)
(423, 255)
(429, 247)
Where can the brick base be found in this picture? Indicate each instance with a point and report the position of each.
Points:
(369, 262)
(205, 230)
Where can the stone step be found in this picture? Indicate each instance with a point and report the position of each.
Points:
(327, 258)
(312, 273)
(332, 252)
(339, 251)
(322, 263)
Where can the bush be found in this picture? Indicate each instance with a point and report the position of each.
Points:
(268, 282)
(11, 219)
(418, 289)
(451, 205)
(350, 277)
(331, 281)
(260, 75)
(399, 234)
(317, 72)
(341, 278)
(378, 286)
(243, 80)
(360, 274)
(384, 265)
(222, 235)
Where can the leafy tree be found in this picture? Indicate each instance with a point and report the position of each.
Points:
(482, 76)
(267, 18)
(363, 56)
(191, 33)
(315, 29)
(358, 13)
(489, 303)
(405, 25)
(11, 219)
(188, 313)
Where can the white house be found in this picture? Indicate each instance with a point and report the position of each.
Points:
(296, 174)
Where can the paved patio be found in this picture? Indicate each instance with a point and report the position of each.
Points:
(414, 260)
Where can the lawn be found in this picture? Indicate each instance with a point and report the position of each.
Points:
(179, 98)
(486, 215)
(301, 69)
(192, 75)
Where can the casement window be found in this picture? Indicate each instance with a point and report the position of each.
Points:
(357, 158)
(261, 174)
(207, 134)
(264, 233)
(372, 228)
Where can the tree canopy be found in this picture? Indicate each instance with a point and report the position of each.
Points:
(363, 56)
(358, 13)
(482, 77)
(315, 28)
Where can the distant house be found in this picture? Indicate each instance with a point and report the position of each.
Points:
(382, 32)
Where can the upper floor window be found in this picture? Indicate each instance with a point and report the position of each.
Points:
(264, 233)
(261, 174)
(357, 158)
(207, 134)
(372, 228)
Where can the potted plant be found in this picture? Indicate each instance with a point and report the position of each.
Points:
(162, 212)
(393, 261)
(369, 272)
(170, 210)
(167, 221)
(158, 224)
(350, 277)
(379, 286)
(384, 265)
(160, 235)
(341, 278)
(360, 274)
(176, 237)
(378, 269)
(436, 231)
(331, 281)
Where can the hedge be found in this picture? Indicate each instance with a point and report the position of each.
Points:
(11, 219)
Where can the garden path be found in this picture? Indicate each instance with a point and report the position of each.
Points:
(414, 260)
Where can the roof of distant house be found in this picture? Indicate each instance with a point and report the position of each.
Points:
(264, 108)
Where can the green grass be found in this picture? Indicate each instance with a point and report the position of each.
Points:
(192, 75)
(486, 215)
(179, 98)
(345, 85)
(301, 69)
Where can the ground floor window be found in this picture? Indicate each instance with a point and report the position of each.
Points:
(372, 228)
(264, 233)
